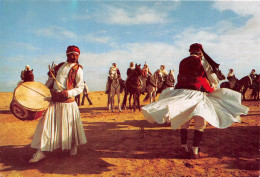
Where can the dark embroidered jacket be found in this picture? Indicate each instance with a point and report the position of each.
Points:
(71, 80)
(192, 75)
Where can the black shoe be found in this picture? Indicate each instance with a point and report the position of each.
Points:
(195, 156)
(199, 155)
(185, 154)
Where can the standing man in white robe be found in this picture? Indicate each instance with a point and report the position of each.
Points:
(61, 125)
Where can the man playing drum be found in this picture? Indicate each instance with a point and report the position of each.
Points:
(61, 125)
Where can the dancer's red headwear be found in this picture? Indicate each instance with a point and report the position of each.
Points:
(196, 47)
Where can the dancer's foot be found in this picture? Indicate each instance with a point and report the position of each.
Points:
(185, 153)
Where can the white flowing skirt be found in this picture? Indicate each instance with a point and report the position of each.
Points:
(221, 108)
(60, 127)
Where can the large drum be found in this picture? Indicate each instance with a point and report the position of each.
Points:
(30, 100)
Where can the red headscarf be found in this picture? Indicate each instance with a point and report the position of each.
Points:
(72, 49)
(196, 47)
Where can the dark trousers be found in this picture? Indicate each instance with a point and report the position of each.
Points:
(196, 138)
(83, 99)
(77, 99)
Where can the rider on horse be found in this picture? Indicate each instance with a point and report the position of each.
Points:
(130, 70)
(231, 78)
(146, 74)
(146, 71)
(163, 72)
(27, 74)
(252, 76)
(112, 70)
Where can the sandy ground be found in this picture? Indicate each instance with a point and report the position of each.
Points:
(117, 146)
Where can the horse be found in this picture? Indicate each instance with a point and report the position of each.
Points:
(169, 82)
(241, 86)
(151, 86)
(114, 90)
(133, 86)
(125, 99)
(255, 88)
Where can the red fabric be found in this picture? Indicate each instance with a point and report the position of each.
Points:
(129, 72)
(73, 49)
(28, 76)
(71, 81)
(192, 75)
(145, 73)
(196, 47)
(118, 72)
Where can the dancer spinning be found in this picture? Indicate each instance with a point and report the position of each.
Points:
(194, 97)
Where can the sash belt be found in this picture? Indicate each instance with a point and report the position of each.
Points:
(69, 100)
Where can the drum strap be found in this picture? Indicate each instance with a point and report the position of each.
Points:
(69, 100)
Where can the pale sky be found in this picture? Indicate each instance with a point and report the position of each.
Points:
(36, 33)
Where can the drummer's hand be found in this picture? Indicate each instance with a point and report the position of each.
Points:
(63, 94)
(59, 96)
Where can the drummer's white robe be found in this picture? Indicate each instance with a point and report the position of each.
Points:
(61, 125)
(221, 108)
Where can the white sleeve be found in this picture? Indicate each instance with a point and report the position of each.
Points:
(79, 84)
(49, 82)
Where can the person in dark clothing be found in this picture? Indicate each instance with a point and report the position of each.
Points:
(27, 74)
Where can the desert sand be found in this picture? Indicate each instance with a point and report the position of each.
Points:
(119, 146)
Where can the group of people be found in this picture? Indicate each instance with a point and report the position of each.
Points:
(145, 73)
(232, 78)
(193, 97)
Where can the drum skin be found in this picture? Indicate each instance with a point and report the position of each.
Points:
(30, 100)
